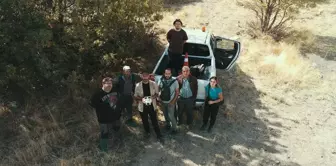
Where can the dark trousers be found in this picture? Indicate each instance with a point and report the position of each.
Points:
(210, 111)
(105, 131)
(185, 105)
(175, 113)
(126, 102)
(175, 62)
(105, 128)
(149, 111)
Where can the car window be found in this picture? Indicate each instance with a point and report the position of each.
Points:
(196, 49)
(225, 44)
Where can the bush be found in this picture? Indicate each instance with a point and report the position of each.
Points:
(273, 16)
(43, 42)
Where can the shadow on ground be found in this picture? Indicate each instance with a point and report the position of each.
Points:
(239, 137)
(324, 46)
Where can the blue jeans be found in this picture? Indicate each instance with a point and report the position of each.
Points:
(168, 112)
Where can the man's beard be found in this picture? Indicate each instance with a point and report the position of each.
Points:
(167, 78)
(107, 89)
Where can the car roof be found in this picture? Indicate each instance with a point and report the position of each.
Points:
(197, 35)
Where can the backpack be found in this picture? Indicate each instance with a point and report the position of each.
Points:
(165, 90)
(208, 98)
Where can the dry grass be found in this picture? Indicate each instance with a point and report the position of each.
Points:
(185, 13)
(60, 133)
(280, 64)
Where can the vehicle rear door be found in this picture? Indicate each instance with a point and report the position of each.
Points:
(226, 52)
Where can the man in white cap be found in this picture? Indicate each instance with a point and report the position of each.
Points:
(125, 84)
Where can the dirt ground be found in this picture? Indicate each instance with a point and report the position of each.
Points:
(262, 127)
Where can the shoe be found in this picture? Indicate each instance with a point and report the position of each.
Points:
(203, 127)
(147, 135)
(173, 132)
(161, 140)
(103, 145)
(168, 127)
(210, 129)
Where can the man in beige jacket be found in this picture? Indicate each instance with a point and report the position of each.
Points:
(146, 93)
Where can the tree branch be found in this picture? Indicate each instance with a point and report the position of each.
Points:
(276, 13)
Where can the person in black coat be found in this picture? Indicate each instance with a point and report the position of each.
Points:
(105, 102)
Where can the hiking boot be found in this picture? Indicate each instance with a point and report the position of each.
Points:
(203, 127)
(103, 145)
(189, 127)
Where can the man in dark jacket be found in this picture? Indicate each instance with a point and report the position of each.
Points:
(176, 38)
(125, 85)
(188, 93)
(105, 101)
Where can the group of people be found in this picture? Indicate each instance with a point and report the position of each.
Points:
(117, 95)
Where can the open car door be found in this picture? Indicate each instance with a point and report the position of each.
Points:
(226, 52)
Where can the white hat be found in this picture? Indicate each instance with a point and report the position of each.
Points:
(126, 68)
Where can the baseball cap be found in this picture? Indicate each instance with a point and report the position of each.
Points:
(126, 68)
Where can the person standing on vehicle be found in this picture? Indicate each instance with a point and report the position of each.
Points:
(126, 85)
(169, 91)
(105, 102)
(176, 38)
(146, 93)
(188, 92)
(214, 95)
